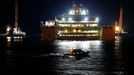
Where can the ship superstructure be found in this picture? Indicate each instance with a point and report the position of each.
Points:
(77, 24)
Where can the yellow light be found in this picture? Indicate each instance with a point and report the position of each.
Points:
(79, 30)
(117, 28)
(85, 31)
(66, 31)
(74, 30)
(93, 25)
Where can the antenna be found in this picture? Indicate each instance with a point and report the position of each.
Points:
(74, 3)
(16, 14)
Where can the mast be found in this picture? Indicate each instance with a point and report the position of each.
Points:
(16, 14)
(121, 20)
(73, 3)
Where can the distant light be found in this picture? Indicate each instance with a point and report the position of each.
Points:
(83, 12)
(70, 19)
(97, 19)
(8, 28)
(8, 39)
(63, 19)
(86, 19)
(71, 12)
(117, 28)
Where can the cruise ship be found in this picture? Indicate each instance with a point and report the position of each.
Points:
(76, 24)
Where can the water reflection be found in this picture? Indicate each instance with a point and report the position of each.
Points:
(90, 65)
(11, 47)
(117, 47)
(14, 39)
(84, 45)
(105, 58)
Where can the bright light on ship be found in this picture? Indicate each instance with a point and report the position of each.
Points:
(8, 28)
(66, 31)
(117, 28)
(79, 30)
(70, 19)
(63, 19)
(97, 19)
(86, 19)
(74, 30)
(93, 25)
(8, 39)
(83, 12)
(71, 12)
(49, 23)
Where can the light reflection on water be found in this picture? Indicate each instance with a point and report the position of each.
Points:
(84, 45)
(85, 66)
(105, 58)
(98, 63)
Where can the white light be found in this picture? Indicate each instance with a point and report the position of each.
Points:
(8, 39)
(86, 19)
(8, 28)
(15, 37)
(97, 19)
(49, 23)
(18, 37)
(71, 12)
(70, 18)
(63, 19)
(83, 12)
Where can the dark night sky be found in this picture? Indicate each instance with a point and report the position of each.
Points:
(31, 12)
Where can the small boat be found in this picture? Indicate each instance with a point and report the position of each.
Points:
(77, 52)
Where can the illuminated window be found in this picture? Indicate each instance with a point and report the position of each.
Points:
(66, 31)
(79, 30)
(93, 25)
(74, 30)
